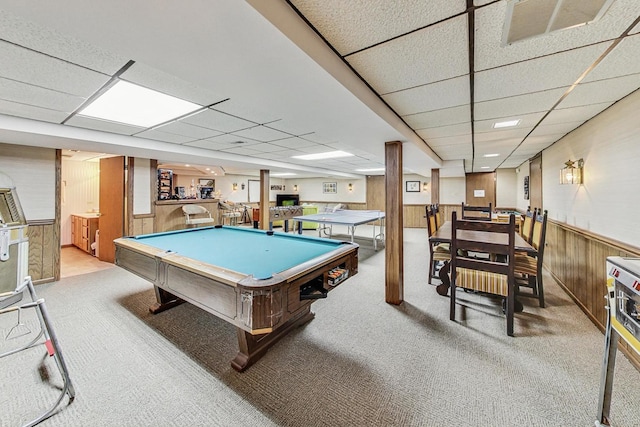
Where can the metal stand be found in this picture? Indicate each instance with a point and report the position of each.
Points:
(7, 301)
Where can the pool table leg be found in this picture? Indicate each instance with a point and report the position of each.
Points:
(253, 347)
(165, 301)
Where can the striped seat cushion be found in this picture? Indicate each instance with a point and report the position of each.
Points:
(442, 247)
(441, 256)
(482, 281)
(526, 264)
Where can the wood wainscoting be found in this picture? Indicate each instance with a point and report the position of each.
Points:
(44, 251)
(576, 259)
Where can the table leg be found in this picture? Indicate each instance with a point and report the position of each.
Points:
(165, 301)
(253, 347)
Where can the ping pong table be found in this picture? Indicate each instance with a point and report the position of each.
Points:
(350, 218)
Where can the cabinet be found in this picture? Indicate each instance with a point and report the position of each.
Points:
(165, 184)
(83, 231)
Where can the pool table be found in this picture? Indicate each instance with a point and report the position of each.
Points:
(263, 282)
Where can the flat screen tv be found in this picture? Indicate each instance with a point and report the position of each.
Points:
(287, 199)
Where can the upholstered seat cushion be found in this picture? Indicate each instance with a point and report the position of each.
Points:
(441, 256)
(482, 281)
(526, 264)
(442, 247)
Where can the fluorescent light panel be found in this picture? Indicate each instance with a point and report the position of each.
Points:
(491, 155)
(326, 155)
(135, 105)
(370, 170)
(506, 124)
(283, 174)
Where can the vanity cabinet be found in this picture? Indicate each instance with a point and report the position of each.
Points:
(83, 231)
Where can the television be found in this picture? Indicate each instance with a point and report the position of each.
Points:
(206, 192)
(287, 200)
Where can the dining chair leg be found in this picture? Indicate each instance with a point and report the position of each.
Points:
(452, 302)
(431, 263)
(540, 288)
(511, 300)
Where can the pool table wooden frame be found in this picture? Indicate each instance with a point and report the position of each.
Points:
(263, 311)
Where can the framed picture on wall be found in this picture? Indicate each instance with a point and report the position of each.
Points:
(412, 186)
(329, 187)
(526, 187)
(206, 182)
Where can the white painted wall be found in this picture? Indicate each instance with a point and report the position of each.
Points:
(506, 182)
(80, 193)
(310, 189)
(33, 172)
(609, 199)
(452, 190)
(423, 197)
(142, 186)
(224, 184)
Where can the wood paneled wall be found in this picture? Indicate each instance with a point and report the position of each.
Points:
(44, 251)
(577, 261)
(481, 181)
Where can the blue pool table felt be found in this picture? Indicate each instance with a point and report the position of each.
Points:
(243, 250)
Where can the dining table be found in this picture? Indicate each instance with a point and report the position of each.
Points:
(443, 235)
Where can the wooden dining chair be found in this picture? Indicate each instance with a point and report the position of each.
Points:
(527, 225)
(479, 213)
(493, 276)
(528, 268)
(438, 252)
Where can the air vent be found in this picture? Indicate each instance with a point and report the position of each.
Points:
(531, 18)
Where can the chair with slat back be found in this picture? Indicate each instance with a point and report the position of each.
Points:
(529, 268)
(480, 213)
(491, 276)
(527, 225)
(437, 252)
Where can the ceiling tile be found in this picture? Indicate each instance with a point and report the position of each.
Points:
(211, 144)
(622, 60)
(159, 135)
(11, 90)
(575, 114)
(505, 134)
(549, 72)
(25, 33)
(291, 127)
(216, 120)
(188, 130)
(426, 56)
(489, 52)
(520, 104)
(444, 117)
(449, 140)
(293, 143)
(444, 131)
(152, 78)
(601, 91)
(554, 129)
(36, 113)
(266, 147)
(262, 134)
(26, 66)
(103, 125)
(245, 151)
(348, 26)
(247, 112)
(434, 96)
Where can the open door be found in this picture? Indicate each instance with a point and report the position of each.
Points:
(111, 223)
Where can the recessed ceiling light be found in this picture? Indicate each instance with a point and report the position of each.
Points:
(491, 155)
(370, 170)
(135, 105)
(327, 155)
(283, 174)
(485, 167)
(506, 124)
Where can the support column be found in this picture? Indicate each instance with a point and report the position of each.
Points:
(394, 255)
(264, 199)
(435, 186)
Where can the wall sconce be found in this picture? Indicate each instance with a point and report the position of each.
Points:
(425, 186)
(235, 186)
(572, 173)
(295, 187)
(242, 186)
(350, 187)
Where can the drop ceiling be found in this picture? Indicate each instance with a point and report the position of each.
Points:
(284, 78)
